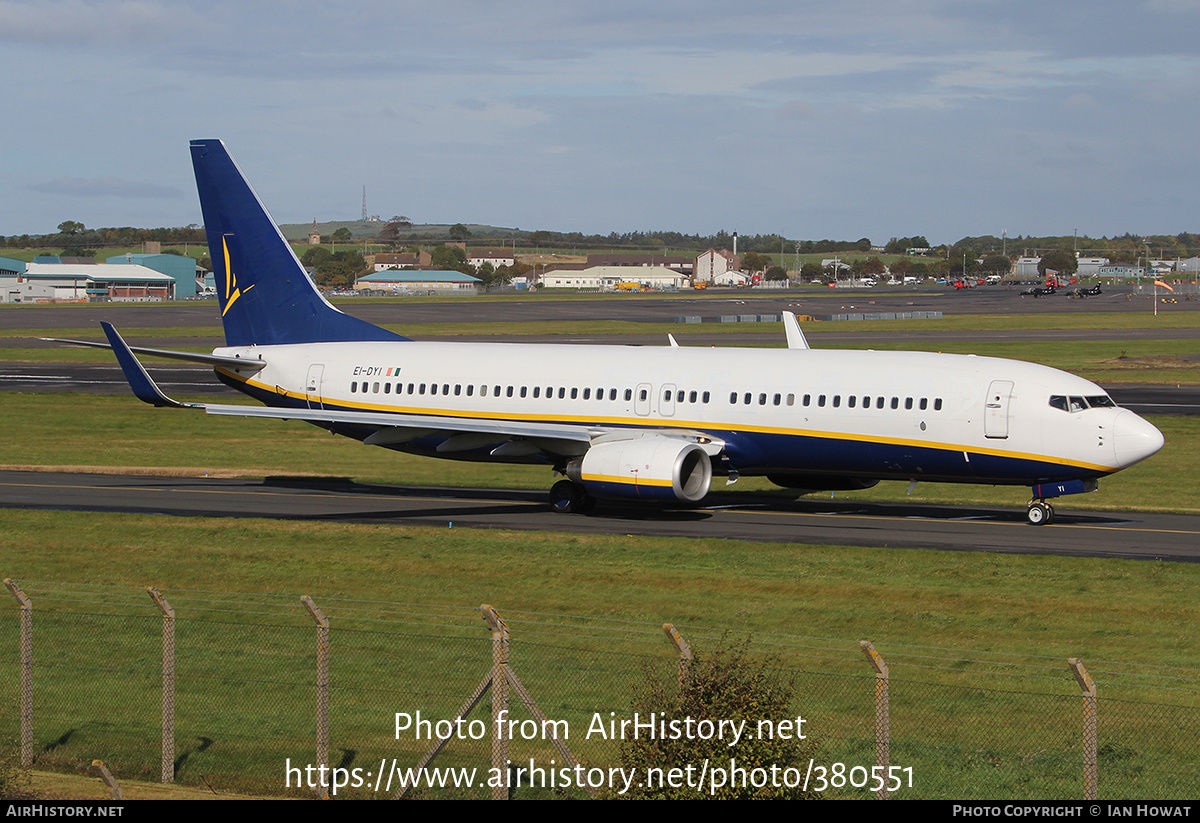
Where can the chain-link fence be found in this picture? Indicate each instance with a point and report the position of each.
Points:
(248, 692)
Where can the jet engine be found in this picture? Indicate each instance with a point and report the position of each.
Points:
(644, 468)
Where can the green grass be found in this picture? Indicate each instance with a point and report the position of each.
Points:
(244, 689)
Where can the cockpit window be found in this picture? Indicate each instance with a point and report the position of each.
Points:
(1078, 404)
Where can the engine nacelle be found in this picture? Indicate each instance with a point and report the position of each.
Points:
(645, 468)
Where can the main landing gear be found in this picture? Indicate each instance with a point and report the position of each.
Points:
(567, 497)
(1040, 513)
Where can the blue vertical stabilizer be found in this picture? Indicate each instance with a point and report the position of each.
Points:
(264, 293)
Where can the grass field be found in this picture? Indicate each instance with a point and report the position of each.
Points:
(977, 643)
(982, 703)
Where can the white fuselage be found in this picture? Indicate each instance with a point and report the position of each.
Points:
(911, 415)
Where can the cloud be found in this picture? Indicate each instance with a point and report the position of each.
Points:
(70, 22)
(104, 187)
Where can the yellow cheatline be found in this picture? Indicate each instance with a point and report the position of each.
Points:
(685, 425)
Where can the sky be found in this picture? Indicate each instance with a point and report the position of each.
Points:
(862, 118)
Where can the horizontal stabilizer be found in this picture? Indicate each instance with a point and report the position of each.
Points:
(240, 363)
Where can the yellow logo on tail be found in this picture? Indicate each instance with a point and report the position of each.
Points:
(232, 292)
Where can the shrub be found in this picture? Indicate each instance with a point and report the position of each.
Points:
(726, 685)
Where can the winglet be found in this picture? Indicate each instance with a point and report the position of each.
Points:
(795, 337)
(144, 388)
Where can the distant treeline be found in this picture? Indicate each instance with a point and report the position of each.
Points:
(1125, 248)
(82, 238)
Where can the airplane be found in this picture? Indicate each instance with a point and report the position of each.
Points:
(632, 423)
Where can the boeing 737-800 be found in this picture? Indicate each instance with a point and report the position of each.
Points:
(636, 423)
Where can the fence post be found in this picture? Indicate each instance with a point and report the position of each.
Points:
(322, 681)
(26, 707)
(1090, 727)
(168, 684)
(883, 730)
(681, 645)
(499, 696)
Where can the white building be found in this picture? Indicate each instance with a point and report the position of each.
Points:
(607, 277)
(715, 262)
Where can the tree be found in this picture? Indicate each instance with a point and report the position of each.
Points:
(811, 271)
(342, 235)
(777, 273)
(1063, 262)
(448, 258)
(752, 261)
(70, 227)
(459, 232)
(727, 685)
(996, 264)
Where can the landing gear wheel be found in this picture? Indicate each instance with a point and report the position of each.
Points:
(570, 498)
(1039, 514)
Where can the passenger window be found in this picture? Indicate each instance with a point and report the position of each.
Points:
(821, 401)
(387, 388)
(895, 402)
(457, 389)
(879, 402)
(470, 389)
(746, 398)
(704, 397)
(509, 392)
(777, 399)
(691, 397)
(524, 390)
(924, 403)
(421, 389)
(837, 400)
(628, 394)
(937, 404)
(851, 401)
(807, 399)
(354, 387)
(791, 399)
(537, 391)
(908, 402)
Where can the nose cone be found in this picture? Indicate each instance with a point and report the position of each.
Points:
(1134, 439)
